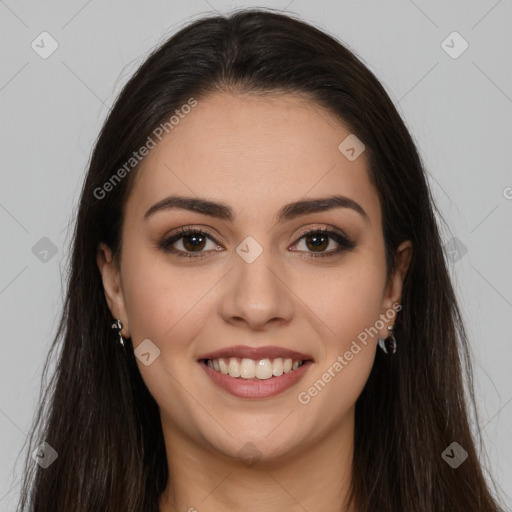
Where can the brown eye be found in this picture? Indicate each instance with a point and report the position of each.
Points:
(192, 240)
(318, 240)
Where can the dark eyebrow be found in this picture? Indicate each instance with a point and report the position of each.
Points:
(288, 212)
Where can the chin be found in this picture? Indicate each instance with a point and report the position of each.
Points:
(258, 448)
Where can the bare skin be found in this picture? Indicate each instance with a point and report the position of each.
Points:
(255, 155)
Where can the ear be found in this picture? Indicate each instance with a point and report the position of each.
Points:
(111, 278)
(393, 291)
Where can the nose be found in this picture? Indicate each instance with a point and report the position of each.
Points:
(257, 293)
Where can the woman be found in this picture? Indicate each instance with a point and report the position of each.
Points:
(259, 314)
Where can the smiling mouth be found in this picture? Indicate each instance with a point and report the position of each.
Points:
(254, 369)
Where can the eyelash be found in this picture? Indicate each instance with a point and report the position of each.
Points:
(344, 242)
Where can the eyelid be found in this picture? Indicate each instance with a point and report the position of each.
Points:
(168, 240)
(324, 227)
(344, 241)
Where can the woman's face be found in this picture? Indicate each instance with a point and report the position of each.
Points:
(253, 280)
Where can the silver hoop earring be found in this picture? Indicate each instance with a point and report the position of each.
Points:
(389, 344)
(117, 326)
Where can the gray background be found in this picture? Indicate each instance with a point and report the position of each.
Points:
(458, 110)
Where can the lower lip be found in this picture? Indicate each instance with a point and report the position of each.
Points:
(247, 388)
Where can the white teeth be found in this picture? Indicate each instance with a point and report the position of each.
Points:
(264, 369)
(249, 368)
(277, 368)
(223, 366)
(234, 367)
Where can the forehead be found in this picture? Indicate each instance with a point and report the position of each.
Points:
(254, 153)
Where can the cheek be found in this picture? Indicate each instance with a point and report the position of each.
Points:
(345, 302)
(332, 392)
(161, 298)
(349, 352)
(166, 305)
(349, 308)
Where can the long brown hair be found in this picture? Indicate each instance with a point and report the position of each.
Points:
(97, 412)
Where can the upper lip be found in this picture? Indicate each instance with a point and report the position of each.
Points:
(256, 353)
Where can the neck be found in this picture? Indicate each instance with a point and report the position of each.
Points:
(313, 478)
